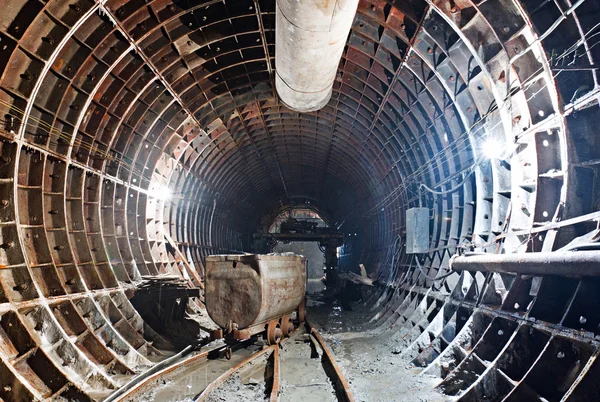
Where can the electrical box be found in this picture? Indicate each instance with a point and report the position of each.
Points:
(417, 230)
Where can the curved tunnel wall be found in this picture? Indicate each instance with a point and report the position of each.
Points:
(106, 103)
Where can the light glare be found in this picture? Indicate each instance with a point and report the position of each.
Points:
(493, 149)
(160, 192)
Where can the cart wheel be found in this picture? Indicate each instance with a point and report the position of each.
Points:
(286, 325)
(273, 332)
(228, 353)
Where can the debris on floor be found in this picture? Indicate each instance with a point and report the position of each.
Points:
(372, 363)
(234, 390)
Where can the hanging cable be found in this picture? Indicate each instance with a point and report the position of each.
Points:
(407, 273)
(451, 190)
(396, 246)
(212, 215)
(390, 258)
(437, 278)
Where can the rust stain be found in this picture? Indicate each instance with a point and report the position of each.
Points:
(245, 291)
(58, 64)
(324, 5)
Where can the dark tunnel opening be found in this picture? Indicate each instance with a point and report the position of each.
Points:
(139, 137)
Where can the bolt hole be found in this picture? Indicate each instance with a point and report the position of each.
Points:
(234, 264)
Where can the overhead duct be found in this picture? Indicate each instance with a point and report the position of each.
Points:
(309, 41)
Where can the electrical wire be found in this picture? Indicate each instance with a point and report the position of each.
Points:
(109, 156)
(407, 272)
(450, 190)
(95, 151)
(396, 246)
(456, 143)
(106, 154)
(393, 251)
(454, 146)
(437, 278)
(537, 41)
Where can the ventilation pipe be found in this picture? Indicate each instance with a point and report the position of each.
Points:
(310, 36)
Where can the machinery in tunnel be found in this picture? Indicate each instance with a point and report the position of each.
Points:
(305, 232)
(138, 138)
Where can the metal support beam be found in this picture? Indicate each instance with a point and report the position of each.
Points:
(337, 238)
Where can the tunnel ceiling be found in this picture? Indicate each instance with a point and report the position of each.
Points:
(123, 121)
(181, 95)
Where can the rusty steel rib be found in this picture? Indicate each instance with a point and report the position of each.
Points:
(340, 382)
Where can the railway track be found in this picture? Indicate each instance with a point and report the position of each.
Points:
(298, 368)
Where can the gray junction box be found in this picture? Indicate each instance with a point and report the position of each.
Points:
(417, 230)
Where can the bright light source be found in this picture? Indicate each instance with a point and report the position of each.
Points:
(160, 192)
(493, 149)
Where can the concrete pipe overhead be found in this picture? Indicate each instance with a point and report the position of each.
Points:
(309, 42)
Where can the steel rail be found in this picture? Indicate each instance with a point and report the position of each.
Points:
(226, 375)
(138, 383)
(276, 375)
(274, 396)
(142, 382)
(340, 382)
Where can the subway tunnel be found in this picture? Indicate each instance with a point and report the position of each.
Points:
(137, 133)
